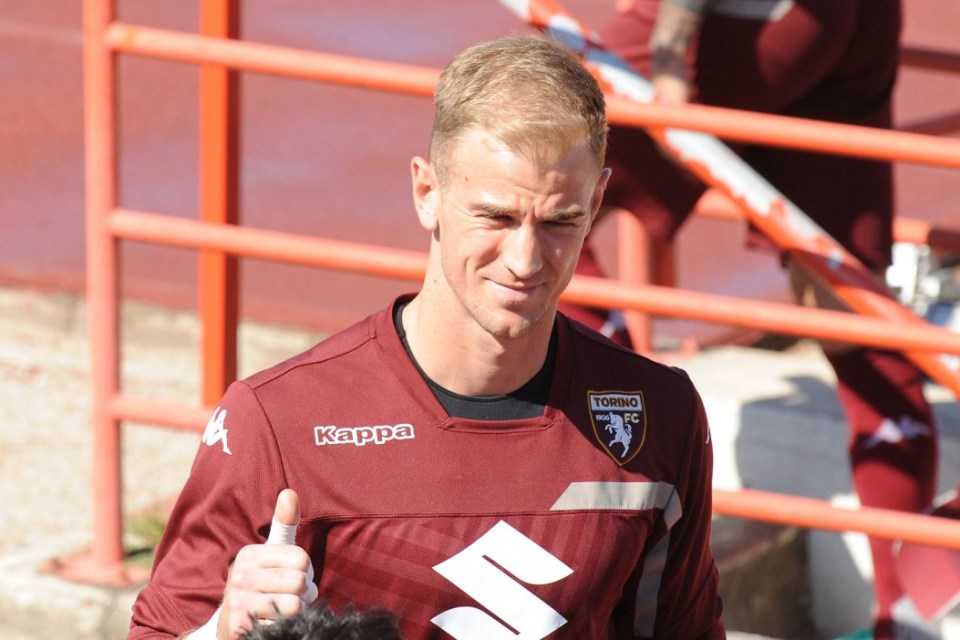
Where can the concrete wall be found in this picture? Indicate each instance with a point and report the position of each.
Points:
(777, 426)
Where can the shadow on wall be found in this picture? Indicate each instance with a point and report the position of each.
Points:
(796, 444)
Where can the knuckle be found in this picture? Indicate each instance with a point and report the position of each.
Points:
(290, 582)
(302, 560)
(287, 605)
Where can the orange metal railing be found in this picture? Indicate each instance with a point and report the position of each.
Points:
(219, 193)
(105, 560)
(218, 237)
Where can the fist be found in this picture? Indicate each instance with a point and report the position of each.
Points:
(270, 579)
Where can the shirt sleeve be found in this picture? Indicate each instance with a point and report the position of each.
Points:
(227, 503)
(688, 600)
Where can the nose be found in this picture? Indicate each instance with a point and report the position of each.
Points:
(521, 252)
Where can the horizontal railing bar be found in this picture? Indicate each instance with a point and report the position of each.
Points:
(714, 204)
(600, 292)
(747, 503)
(803, 322)
(774, 130)
(790, 132)
(933, 126)
(155, 412)
(930, 59)
(810, 513)
(272, 59)
(265, 244)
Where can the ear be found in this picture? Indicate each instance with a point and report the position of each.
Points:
(597, 199)
(426, 193)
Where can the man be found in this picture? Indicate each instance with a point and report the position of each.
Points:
(453, 456)
(817, 59)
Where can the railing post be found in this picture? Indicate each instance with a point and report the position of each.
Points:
(105, 561)
(219, 200)
(634, 253)
(640, 262)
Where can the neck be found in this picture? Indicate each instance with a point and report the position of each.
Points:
(466, 359)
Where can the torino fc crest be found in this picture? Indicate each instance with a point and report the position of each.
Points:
(619, 422)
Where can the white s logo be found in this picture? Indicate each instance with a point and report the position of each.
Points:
(473, 571)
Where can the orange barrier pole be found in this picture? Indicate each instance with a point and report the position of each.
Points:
(640, 261)
(789, 132)
(809, 513)
(278, 246)
(730, 124)
(167, 414)
(826, 259)
(219, 193)
(922, 232)
(104, 564)
(714, 204)
(929, 59)
(747, 503)
(933, 126)
(275, 60)
(635, 255)
(600, 292)
(822, 324)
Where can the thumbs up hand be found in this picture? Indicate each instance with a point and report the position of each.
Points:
(286, 517)
(283, 530)
(268, 578)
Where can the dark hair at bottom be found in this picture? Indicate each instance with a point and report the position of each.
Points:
(320, 622)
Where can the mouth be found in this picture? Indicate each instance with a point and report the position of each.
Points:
(516, 292)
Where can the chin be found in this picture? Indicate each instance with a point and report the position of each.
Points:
(511, 326)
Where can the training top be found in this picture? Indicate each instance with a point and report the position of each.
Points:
(591, 521)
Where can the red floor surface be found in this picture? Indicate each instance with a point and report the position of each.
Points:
(322, 160)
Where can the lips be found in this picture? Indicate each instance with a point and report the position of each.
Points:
(518, 293)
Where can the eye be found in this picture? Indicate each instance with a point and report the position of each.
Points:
(564, 222)
(495, 217)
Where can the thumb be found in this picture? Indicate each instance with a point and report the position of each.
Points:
(286, 517)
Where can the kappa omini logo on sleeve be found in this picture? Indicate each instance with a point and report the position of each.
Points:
(619, 422)
(216, 431)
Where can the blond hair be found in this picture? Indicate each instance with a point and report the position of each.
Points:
(531, 93)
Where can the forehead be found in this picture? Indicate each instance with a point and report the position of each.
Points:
(479, 157)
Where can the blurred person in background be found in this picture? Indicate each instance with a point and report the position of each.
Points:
(826, 60)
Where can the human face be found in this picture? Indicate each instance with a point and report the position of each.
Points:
(506, 231)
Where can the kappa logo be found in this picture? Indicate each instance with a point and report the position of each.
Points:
(619, 422)
(216, 431)
(360, 436)
(894, 432)
(491, 571)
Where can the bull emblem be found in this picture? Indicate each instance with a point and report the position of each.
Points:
(619, 422)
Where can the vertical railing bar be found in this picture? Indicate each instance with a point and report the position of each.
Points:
(219, 202)
(105, 561)
(634, 255)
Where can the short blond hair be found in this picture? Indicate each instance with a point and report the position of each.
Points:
(532, 93)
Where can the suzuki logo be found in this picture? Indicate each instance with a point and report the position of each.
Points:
(473, 570)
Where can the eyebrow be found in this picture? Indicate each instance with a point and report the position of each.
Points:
(491, 209)
(557, 215)
(563, 215)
